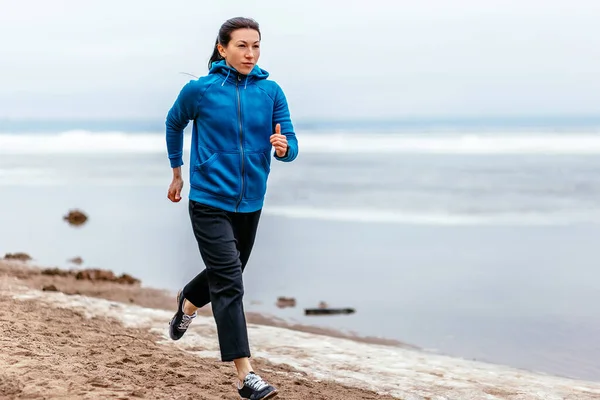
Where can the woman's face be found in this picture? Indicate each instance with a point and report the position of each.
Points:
(243, 50)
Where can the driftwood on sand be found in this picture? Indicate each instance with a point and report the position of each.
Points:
(328, 311)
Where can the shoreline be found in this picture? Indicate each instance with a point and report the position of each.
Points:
(301, 363)
(160, 298)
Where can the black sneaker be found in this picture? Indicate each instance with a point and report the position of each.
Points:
(180, 321)
(255, 388)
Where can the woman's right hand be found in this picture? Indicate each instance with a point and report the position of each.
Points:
(176, 186)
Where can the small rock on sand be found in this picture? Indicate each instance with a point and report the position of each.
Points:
(76, 260)
(17, 256)
(50, 288)
(76, 217)
(283, 302)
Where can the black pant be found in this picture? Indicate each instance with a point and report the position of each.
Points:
(225, 240)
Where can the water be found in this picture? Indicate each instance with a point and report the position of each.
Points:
(471, 239)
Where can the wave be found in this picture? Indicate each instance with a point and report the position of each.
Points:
(424, 218)
(81, 142)
(488, 143)
(85, 142)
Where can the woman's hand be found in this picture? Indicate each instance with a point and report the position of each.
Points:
(176, 186)
(279, 142)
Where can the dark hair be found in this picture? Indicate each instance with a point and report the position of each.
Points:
(225, 32)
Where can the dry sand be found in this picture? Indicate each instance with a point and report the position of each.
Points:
(108, 340)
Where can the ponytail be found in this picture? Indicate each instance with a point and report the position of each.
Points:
(216, 56)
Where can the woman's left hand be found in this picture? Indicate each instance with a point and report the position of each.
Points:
(279, 141)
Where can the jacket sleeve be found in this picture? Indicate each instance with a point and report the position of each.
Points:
(181, 113)
(281, 115)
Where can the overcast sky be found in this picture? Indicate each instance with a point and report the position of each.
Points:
(334, 59)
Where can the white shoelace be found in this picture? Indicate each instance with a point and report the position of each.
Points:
(255, 382)
(186, 320)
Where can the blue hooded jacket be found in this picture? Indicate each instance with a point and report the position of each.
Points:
(233, 116)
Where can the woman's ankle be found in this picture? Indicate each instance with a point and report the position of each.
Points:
(243, 368)
(189, 308)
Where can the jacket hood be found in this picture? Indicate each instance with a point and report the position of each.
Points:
(231, 74)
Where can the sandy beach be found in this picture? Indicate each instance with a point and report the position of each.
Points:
(82, 337)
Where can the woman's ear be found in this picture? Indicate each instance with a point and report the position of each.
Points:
(221, 50)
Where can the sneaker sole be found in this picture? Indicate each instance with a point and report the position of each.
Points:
(269, 396)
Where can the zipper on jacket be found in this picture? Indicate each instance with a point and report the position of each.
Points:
(239, 104)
